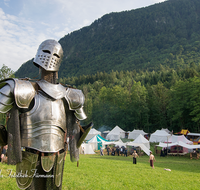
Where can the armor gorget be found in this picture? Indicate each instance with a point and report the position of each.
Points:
(56, 91)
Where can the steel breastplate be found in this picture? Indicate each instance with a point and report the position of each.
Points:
(43, 127)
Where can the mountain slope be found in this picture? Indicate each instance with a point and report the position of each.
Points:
(166, 33)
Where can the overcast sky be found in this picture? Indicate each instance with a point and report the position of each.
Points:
(24, 24)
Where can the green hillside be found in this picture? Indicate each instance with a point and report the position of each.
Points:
(166, 33)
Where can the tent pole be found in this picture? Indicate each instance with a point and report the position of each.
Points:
(167, 147)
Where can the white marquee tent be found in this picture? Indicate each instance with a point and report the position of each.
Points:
(142, 146)
(115, 134)
(159, 136)
(86, 149)
(180, 143)
(96, 142)
(135, 133)
(92, 133)
(143, 140)
(177, 138)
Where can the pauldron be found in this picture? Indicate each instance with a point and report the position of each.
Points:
(21, 91)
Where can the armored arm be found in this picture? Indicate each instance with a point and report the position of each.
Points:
(75, 112)
(75, 99)
(13, 90)
(6, 95)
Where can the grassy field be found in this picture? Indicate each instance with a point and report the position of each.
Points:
(118, 172)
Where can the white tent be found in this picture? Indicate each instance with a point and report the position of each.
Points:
(142, 140)
(167, 130)
(115, 134)
(142, 146)
(96, 142)
(135, 133)
(180, 143)
(177, 138)
(159, 136)
(92, 133)
(116, 143)
(86, 149)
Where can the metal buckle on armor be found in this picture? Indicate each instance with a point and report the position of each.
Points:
(25, 170)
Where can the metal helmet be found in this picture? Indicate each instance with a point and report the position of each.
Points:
(49, 55)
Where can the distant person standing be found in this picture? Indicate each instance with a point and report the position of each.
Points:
(151, 159)
(101, 151)
(125, 152)
(135, 155)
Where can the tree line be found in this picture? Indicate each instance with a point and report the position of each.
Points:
(167, 98)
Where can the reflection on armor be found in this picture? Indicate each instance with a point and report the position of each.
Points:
(59, 169)
(49, 55)
(47, 162)
(75, 99)
(6, 97)
(27, 169)
(24, 93)
(56, 91)
(43, 127)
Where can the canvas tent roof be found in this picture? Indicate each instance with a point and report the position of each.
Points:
(142, 146)
(96, 142)
(143, 140)
(159, 136)
(177, 138)
(115, 134)
(92, 133)
(180, 143)
(119, 143)
(167, 130)
(194, 134)
(135, 133)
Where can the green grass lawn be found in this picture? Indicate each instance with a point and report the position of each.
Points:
(118, 172)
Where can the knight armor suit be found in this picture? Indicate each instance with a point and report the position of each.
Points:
(41, 114)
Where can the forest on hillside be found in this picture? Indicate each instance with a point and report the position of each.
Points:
(166, 33)
(142, 100)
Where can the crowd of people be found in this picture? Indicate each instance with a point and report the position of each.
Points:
(117, 151)
(123, 151)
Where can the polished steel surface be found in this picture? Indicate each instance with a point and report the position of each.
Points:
(49, 55)
(47, 162)
(43, 127)
(25, 170)
(56, 91)
(80, 114)
(6, 98)
(24, 93)
(75, 98)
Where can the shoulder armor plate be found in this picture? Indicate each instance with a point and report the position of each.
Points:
(24, 92)
(75, 98)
